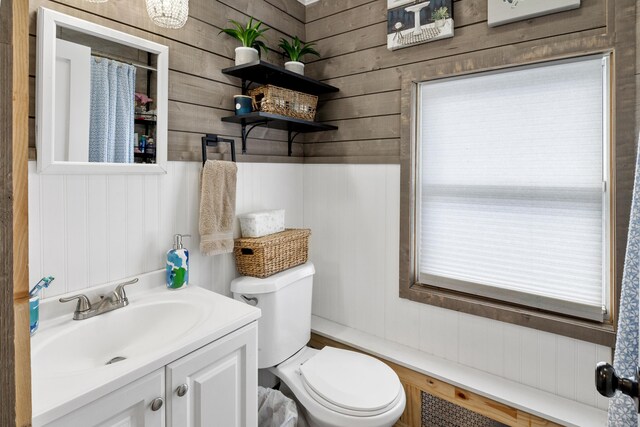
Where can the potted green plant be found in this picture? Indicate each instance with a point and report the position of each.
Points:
(295, 50)
(249, 36)
(439, 16)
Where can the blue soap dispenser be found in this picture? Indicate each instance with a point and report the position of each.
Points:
(178, 264)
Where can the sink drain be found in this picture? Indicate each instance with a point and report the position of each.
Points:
(115, 359)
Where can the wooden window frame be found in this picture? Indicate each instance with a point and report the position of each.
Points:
(621, 166)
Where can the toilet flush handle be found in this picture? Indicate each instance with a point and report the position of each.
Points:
(250, 300)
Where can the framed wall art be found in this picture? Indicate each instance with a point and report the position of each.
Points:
(411, 22)
(505, 11)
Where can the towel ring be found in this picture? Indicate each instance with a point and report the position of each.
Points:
(210, 140)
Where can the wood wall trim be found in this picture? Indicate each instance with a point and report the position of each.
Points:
(617, 37)
(15, 367)
(415, 383)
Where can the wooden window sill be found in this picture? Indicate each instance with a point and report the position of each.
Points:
(585, 330)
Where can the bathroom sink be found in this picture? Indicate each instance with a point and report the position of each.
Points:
(74, 362)
(116, 337)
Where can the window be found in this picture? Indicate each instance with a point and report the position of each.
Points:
(512, 194)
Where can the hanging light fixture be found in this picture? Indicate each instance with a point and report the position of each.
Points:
(168, 13)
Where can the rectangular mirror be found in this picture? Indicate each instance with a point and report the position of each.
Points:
(101, 99)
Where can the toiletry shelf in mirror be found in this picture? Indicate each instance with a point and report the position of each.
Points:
(260, 72)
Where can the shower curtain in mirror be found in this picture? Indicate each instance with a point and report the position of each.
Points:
(111, 128)
(622, 411)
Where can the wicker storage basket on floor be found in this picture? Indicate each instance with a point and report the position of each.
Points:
(268, 255)
(276, 100)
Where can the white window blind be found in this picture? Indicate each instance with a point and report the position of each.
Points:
(513, 198)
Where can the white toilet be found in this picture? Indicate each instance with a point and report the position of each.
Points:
(337, 388)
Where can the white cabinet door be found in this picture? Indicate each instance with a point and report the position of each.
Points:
(221, 383)
(129, 406)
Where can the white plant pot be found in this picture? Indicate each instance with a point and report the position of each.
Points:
(294, 67)
(245, 55)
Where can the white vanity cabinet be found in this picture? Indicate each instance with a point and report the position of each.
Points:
(217, 385)
(128, 406)
(213, 386)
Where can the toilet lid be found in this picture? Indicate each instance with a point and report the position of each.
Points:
(351, 380)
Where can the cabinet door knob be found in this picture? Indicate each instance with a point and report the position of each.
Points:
(157, 403)
(182, 390)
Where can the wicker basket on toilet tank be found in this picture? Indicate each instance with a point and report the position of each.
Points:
(264, 256)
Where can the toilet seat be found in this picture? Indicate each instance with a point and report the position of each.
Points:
(350, 383)
(322, 413)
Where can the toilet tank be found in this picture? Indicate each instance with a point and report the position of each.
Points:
(285, 301)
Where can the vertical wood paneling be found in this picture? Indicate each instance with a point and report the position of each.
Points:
(566, 387)
(586, 359)
(335, 197)
(89, 230)
(98, 249)
(134, 224)
(117, 241)
(76, 234)
(547, 356)
(353, 213)
(494, 347)
(151, 225)
(472, 341)
(52, 202)
(512, 343)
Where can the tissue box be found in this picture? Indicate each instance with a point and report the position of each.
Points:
(258, 224)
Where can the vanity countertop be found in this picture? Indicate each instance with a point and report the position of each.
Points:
(68, 357)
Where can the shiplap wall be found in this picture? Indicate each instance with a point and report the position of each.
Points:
(353, 211)
(199, 94)
(351, 36)
(90, 230)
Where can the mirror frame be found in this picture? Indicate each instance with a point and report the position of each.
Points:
(48, 22)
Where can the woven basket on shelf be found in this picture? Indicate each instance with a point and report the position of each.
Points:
(276, 100)
(268, 255)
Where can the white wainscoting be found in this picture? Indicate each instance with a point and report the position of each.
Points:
(90, 230)
(353, 211)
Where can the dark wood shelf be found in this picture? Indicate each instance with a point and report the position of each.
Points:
(144, 122)
(264, 73)
(260, 72)
(276, 121)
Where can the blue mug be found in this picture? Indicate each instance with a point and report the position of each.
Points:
(242, 104)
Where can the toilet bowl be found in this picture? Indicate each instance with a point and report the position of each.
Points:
(335, 387)
(338, 388)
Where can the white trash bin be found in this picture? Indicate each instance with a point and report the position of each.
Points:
(275, 409)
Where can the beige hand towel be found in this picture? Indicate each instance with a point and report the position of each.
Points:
(217, 207)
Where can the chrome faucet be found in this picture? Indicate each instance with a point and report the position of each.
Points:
(114, 300)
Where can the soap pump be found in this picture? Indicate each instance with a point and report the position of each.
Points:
(178, 264)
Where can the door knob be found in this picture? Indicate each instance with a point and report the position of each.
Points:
(607, 383)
